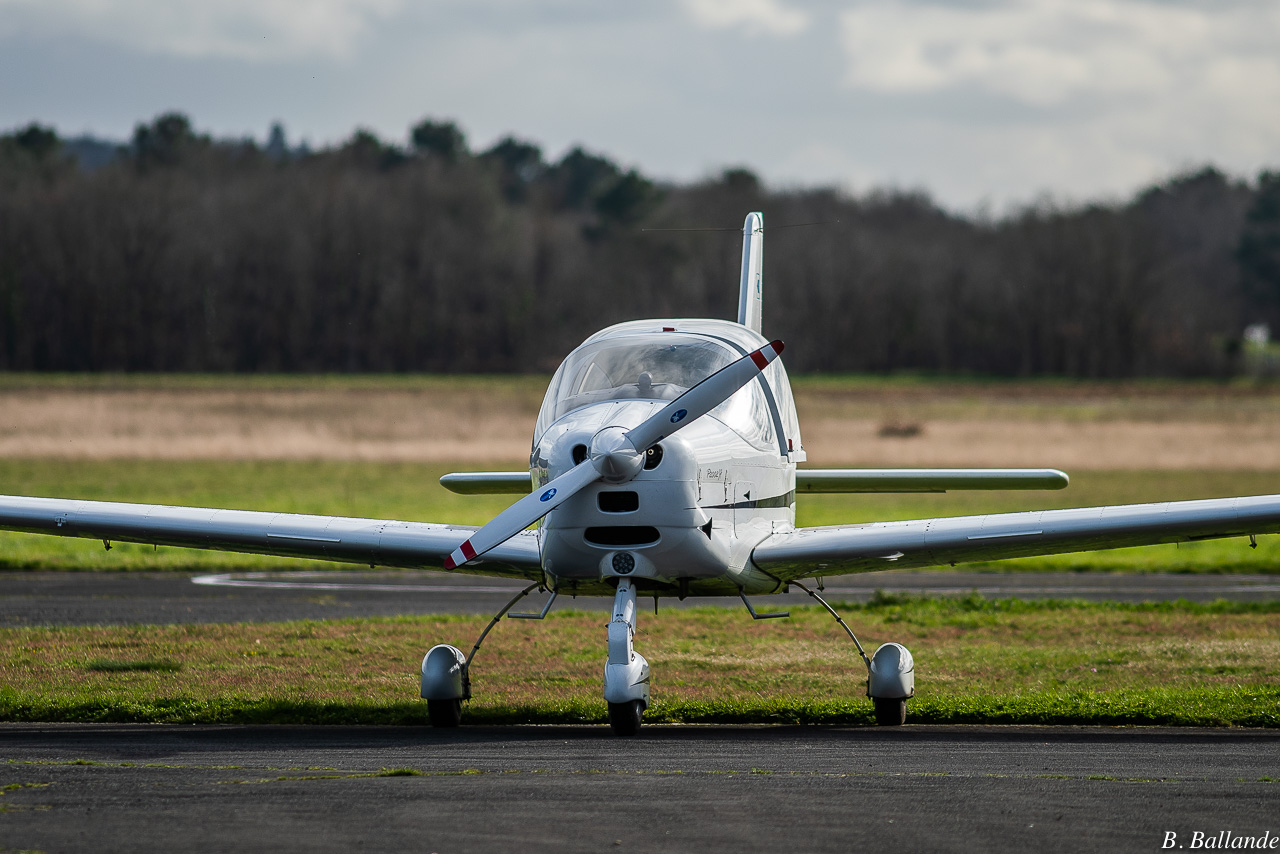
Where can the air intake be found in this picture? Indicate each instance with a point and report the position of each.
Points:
(621, 501)
(621, 535)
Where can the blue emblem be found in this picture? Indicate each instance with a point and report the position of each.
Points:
(548, 495)
(679, 416)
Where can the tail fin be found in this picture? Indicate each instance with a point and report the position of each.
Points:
(750, 304)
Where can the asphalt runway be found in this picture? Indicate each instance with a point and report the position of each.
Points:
(115, 598)
(131, 788)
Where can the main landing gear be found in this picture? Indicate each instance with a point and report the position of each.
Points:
(446, 672)
(891, 673)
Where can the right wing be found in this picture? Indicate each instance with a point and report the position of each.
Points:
(375, 542)
(878, 546)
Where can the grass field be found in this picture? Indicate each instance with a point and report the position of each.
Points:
(376, 446)
(412, 491)
(976, 661)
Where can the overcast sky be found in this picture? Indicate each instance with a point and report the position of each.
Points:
(992, 102)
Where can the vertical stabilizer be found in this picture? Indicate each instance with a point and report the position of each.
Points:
(750, 305)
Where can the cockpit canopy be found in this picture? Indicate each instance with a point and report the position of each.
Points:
(656, 366)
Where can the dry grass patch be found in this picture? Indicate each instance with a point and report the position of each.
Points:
(1074, 425)
(419, 419)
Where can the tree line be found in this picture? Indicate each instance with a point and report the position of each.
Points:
(180, 252)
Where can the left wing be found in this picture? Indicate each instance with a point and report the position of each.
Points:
(924, 480)
(960, 539)
(375, 542)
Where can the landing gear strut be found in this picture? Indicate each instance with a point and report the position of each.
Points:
(446, 672)
(891, 673)
(626, 673)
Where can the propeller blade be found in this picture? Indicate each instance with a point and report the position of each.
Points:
(703, 397)
(523, 513)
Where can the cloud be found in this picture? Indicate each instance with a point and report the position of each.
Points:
(237, 29)
(972, 99)
(1088, 97)
(756, 17)
(1045, 53)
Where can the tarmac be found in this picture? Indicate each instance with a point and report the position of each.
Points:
(117, 598)
(128, 788)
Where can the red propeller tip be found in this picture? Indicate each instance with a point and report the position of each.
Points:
(761, 359)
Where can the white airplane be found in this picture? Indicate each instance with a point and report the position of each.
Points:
(664, 463)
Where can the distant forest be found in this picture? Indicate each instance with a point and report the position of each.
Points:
(178, 252)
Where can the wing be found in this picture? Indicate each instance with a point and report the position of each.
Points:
(922, 480)
(375, 542)
(488, 482)
(961, 539)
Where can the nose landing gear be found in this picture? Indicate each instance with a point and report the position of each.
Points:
(626, 673)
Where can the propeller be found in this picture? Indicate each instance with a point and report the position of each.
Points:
(617, 455)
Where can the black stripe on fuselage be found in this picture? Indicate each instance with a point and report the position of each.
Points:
(785, 500)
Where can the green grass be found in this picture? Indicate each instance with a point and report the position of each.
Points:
(405, 491)
(1087, 489)
(977, 661)
(411, 491)
(111, 665)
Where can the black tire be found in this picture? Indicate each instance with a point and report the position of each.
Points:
(624, 718)
(444, 713)
(890, 712)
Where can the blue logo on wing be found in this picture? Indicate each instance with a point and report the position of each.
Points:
(548, 495)
(679, 416)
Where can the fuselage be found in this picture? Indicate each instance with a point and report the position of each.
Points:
(686, 525)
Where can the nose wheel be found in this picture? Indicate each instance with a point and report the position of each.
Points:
(624, 718)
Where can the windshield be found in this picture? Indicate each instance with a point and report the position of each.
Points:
(652, 366)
